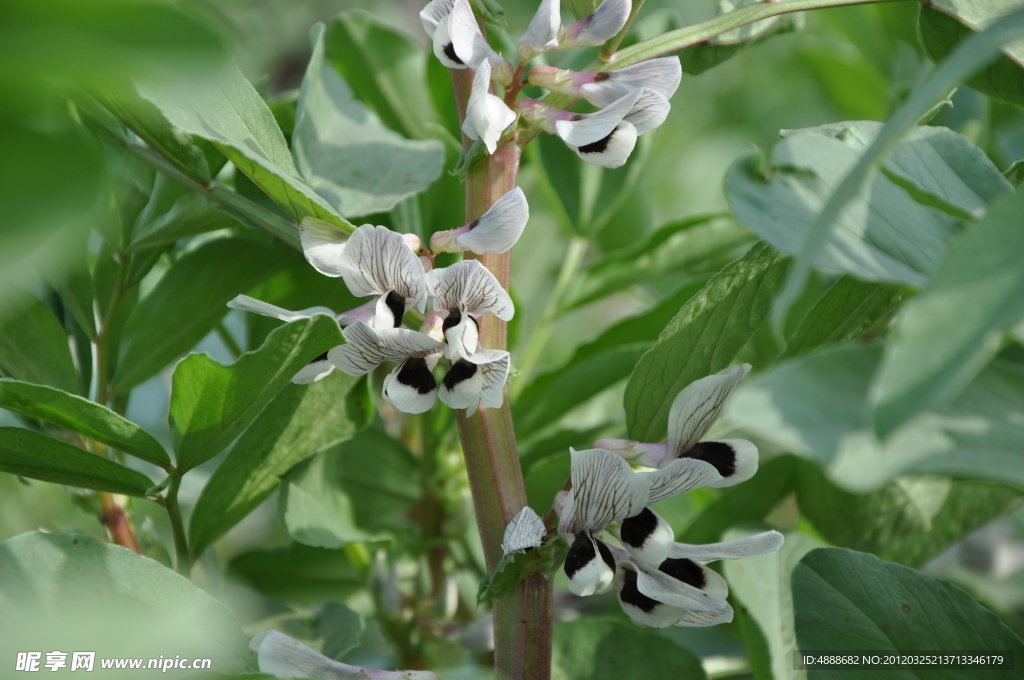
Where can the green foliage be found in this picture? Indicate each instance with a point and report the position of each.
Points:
(703, 338)
(300, 421)
(518, 566)
(712, 52)
(846, 600)
(601, 650)
(190, 215)
(299, 575)
(34, 347)
(82, 416)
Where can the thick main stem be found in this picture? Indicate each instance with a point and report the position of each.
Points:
(522, 618)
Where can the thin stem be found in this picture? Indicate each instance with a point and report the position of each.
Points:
(542, 333)
(239, 206)
(609, 51)
(183, 561)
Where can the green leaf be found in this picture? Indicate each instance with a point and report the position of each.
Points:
(345, 152)
(946, 334)
(908, 521)
(340, 628)
(187, 303)
(58, 582)
(82, 416)
(298, 575)
(966, 59)
(589, 649)
(513, 569)
(300, 421)
(815, 406)
(30, 454)
(189, 216)
(1015, 173)
(846, 600)
(704, 243)
(228, 112)
(848, 309)
(944, 23)
(705, 55)
(746, 503)
(703, 338)
(849, 76)
(762, 585)
(34, 346)
(883, 235)
(385, 69)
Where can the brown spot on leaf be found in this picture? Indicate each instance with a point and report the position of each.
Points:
(886, 627)
(905, 608)
(74, 542)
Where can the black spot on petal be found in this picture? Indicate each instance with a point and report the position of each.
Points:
(630, 594)
(472, 225)
(452, 320)
(602, 76)
(719, 454)
(576, 117)
(396, 303)
(636, 530)
(415, 374)
(580, 554)
(449, 51)
(606, 554)
(460, 370)
(684, 570)
(599, 146)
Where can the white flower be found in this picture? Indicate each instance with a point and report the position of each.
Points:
(281, 656)
(471, 384)
(680, 590)
(602, 88)
(605, 489)
(322, 244)
(467, 290)
(487, 116)
(496, 231)
(542, 34)
(379, 262)
(524, 532)
(320, 367)
(410, 387)
(693, 412)
(599, 26)
(457, 40)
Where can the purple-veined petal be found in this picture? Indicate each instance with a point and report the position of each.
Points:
(751, 546)
(433, 14)
(281, 656)
(487, 116)
(368, 348)
(377, 261)
(698, 405)
(586, 128)
(322, 244)
(249, 304)
(542, 33)
(650, 110)
(496, 231)
(469, 287)
(599, 26)
(525, 531)
(602, 88)
(679, 476)
(604, 489)
(636, 453)
(658, 597)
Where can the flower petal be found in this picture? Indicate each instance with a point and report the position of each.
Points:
(467, 385)
(661, 75)
(589, 566)
(586, 128)
(377, 260)
(650, 110)
(444, 48)
(636, 453)
(315, 370)
(368, 348)
(470, 44)
(735, 459)
(498, 229)
(601, 25)
(604, 489)
(525, 531)
(322, 244)
(542, 33)
(433, 14)
(751, 546)
(281, 656)
(679, 476)
(647, 537)
(248, 304)
(410, 387)
(469, 287)
(487, 116)
(611, 151)
(654, 599)
(462, 334)
(389, 310)
(698, 405)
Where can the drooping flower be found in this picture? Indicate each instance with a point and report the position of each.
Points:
(602, 88)
(487, 116)
(605, 137)
(410, 387)
(693, 412)
(496, 231)
(681, 590)
(542, 33)
(467, 291)
(457, 40)
(283, 657)
(605, 489)
(598, 27)
(471, 384)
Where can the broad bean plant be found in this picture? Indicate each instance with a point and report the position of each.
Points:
(481, 341)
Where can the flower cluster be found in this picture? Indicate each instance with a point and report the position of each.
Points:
(383, 265)
(659, 582)
(632, 101)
